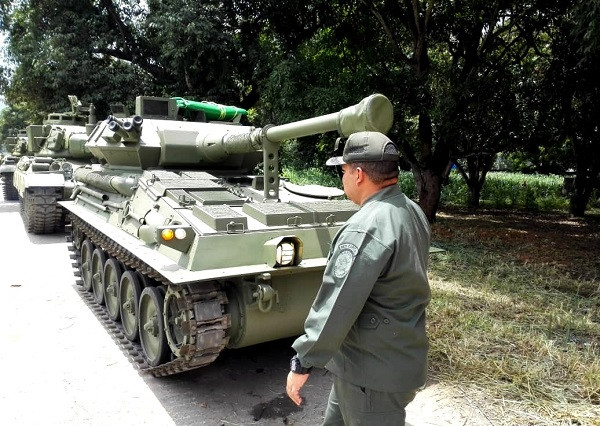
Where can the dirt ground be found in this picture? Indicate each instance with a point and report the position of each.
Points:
(572, 245)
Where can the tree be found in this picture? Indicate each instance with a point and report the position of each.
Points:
(107, 50)
(572, 96)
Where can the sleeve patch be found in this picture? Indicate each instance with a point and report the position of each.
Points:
(344, 259)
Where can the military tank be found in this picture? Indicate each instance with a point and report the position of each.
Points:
(183, 251)
(16, 144)
(42, 179)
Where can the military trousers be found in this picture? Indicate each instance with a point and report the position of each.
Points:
(351, 405)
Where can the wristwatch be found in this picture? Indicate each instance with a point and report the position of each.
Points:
(296, 366)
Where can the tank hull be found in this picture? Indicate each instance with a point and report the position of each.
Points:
(40, 182)
(227, 274)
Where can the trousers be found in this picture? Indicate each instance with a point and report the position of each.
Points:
(351, 405)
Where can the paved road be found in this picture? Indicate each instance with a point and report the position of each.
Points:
(61, 368)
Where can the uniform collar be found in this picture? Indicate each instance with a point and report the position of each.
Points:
(388, 191)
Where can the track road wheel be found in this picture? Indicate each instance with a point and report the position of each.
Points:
(98, 260)
(110, 281)
(87, 248)
(152, 330)
(130, 290)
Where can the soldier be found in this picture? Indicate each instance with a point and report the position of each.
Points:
(367, 323)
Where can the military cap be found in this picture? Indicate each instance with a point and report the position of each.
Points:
(366, 146)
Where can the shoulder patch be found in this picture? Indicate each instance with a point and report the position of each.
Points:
(344, 259)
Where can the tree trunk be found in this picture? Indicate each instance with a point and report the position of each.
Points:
(583, 187)
(429, 186)
(588, 169)
(474, 195)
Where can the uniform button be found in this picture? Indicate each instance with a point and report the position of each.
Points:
(386, 321)
(373, 320)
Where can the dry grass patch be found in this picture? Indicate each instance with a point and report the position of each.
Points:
(527, 332)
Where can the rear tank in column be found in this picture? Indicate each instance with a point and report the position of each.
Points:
(56, 148)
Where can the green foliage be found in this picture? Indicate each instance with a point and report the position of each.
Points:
(510, 190)
(502, 190)
(12, 119)
(515, 190)
(311, 175)
(406, 180)
(467, 79)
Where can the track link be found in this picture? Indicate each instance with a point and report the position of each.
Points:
(10, 192)
(206, 332)
(41, 212)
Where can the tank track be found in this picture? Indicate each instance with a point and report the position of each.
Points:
(206, 338)
(41, 212)
(10, 192)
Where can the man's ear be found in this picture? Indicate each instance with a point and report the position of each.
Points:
(360, 175)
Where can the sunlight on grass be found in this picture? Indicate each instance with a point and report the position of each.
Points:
(513, 330)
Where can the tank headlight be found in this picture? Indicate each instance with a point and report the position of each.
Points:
(167, 234)
(283, 251)
(285, 254)
(180, 234)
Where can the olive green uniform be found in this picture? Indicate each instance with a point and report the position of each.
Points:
(367, 323)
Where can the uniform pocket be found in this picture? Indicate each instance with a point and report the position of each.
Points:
(368, 320)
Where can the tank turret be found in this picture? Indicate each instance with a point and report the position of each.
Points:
(183, 248)
(63, 135)
(56, 148)
(164, 142)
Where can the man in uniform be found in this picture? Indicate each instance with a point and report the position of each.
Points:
(367, 322)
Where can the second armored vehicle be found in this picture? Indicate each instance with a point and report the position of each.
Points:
(43, 179)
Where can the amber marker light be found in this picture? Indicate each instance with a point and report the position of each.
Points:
(167, 234)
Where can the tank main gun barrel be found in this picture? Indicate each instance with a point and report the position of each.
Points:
(374, 113)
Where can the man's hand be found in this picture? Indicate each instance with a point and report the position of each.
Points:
(295, 382)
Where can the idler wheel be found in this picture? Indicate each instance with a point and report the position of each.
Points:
(87, 248)
(98, 260)
(151, 326)
(178, 320)
(110, 281)
(130, 290)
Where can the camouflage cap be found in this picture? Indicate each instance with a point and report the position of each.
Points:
(366, 146)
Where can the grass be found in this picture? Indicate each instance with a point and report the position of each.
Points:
(520, 331)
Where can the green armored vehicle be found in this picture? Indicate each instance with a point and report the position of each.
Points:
(187, 251)
(16, 144)
(46, 177)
